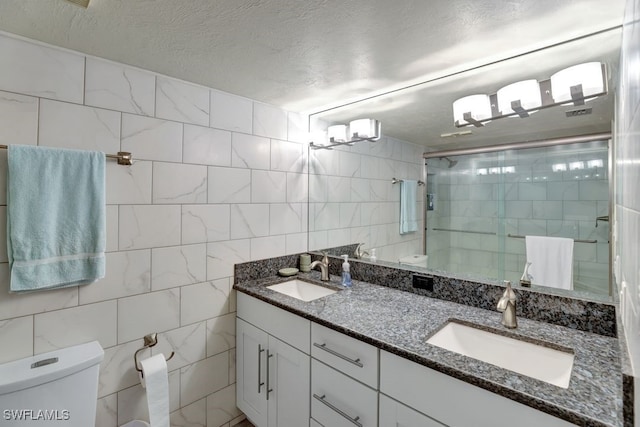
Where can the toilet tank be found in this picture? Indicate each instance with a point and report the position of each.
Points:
(59, 388)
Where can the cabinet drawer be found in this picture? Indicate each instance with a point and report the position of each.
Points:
(348, 355)
(441, 396)
(395, 414)
(292, 329)
(340, 401)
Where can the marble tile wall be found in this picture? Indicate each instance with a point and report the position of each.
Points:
(626, 231)
(217, 179)
(352, 199)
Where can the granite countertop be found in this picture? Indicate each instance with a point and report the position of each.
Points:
(401, 322)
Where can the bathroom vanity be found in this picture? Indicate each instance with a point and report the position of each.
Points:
(360, 357)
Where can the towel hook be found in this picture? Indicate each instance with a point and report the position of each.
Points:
(149, 341)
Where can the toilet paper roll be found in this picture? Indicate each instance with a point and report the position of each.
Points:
(156, 381)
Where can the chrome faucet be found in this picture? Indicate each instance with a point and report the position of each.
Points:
(324, 267)
(507, 305)
(359, 252)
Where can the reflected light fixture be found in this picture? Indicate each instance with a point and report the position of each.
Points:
(581, 82)
(357, 131)
(471, 109)
(519, 98)
(573, 85)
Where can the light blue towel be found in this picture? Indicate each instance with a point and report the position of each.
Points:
(55, 217)
(408, 192)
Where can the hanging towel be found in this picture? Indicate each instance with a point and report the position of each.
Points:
(55, 217)
(408, 190)
(551, 261)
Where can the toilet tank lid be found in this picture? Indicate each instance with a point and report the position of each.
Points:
(20, 374)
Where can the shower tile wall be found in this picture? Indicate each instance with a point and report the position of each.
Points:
(531, 200)
(352, 199)
(217, 179)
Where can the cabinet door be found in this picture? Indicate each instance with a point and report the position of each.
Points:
(288, 392)
(251, 372)
(395, 414)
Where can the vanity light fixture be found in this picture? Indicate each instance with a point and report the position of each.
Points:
(357, 131)
(472, 109)
(579, 83)
(574, 85)
(520, 98)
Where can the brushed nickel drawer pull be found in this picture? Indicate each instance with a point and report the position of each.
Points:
(260, 351)
(338, 410)
(341, 356)
(269, 389)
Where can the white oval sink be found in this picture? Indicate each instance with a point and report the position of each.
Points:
(304, 291)
(536, 361)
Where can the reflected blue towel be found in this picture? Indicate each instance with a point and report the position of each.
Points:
(55, 217)
(408, 192)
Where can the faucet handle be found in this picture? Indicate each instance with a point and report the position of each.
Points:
(325, 258)
(508, 292)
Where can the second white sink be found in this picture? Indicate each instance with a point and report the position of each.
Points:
(304, 291)
(536, 361)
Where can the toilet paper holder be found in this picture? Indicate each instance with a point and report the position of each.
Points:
(149, 341)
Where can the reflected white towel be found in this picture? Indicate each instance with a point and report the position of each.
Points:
(408, 192)
(551, 261)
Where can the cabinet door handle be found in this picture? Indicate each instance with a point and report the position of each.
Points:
(341, 356)
(260, 351)
(269, 390)
(337, 410)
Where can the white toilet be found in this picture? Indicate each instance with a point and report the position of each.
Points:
(59, 388)
(415, 260)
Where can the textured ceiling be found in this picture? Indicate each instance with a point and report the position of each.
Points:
(304, 55)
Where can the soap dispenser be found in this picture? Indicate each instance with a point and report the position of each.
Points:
(346, 272)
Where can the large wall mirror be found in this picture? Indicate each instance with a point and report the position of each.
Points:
(474, 207)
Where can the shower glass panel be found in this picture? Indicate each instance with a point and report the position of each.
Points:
(484, 205)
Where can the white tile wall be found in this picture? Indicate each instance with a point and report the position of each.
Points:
(178, 266)
(179, 183)
(63, 328)
(141, 314)
(67, 125)
(178, 219)
(627, 209)
(231, 112)
(182, 102)
(207, 146)
(18, 119)
(147, 226)
(39, 70)
(121, 88)
(152, 139)
(269, 121)
(250, 151)
(17, 333)
(353, 200)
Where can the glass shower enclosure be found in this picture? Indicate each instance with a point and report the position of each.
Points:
(479, 208)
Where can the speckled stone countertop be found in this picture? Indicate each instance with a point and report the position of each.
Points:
(401, 322)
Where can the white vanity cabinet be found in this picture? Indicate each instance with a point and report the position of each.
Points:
(344, 379)
(451, 401)
(272, 363)
(395, 414)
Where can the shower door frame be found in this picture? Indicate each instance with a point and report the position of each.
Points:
(520, 146)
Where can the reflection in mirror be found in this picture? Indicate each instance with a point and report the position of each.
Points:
(486, 204)
(352, 199)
